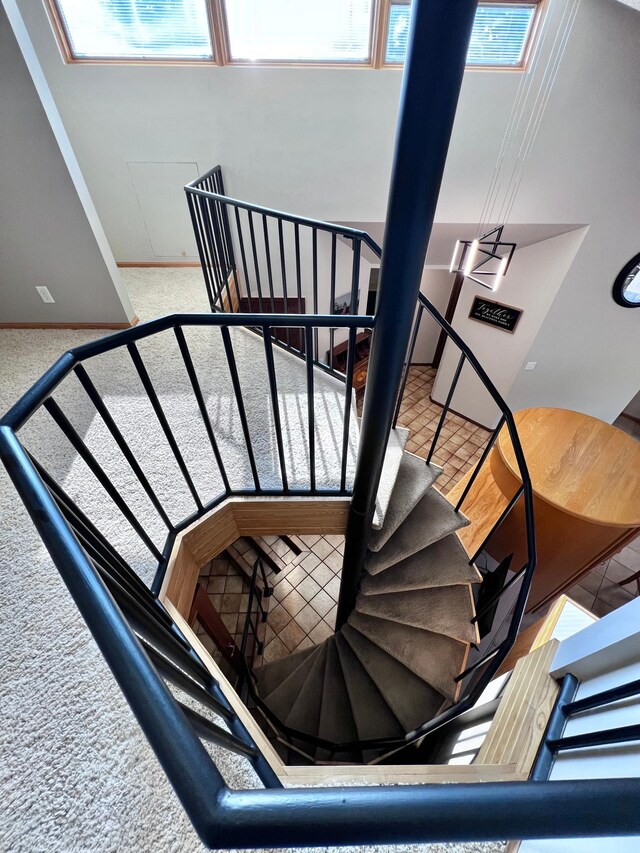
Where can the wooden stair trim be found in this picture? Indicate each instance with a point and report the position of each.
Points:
(245, 716)
(236, 517)
(400, 774)
(520, 722)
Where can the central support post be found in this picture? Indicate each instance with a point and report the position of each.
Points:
(434, 68)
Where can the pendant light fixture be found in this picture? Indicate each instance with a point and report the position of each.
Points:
(484, 260)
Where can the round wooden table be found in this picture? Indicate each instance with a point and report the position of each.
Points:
(586, 481)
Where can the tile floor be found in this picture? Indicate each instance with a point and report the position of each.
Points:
(303, 607)
(461, 442)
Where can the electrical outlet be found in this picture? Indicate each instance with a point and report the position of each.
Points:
(44, 294)
(531, 365)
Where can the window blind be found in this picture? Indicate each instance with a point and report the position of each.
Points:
(137, 29)
(300, 30)
(499, 37)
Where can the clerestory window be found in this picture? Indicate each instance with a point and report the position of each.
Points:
(366, 33)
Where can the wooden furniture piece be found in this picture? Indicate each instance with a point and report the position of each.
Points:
(586, 482)
(361, 363)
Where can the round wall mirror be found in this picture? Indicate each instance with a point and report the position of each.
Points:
(626, 288)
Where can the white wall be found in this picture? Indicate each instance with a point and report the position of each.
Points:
(49, 231)
(535, 276)
(319, 142)
(603, 655)
(436, 286)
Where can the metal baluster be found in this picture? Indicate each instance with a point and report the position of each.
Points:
(78, 520)
(191, 202)
(498, 595)
(255, 262)
(478, 663)
(283, 268)
(195, 384)
(157, 408)
(111, 425)
(205, 214)
(296, 232)
(355, 276)
(310, 408)
(96, 469)
(314, 253)
(502, 517)
(271, 370)
(189, 684)
(243, 256)
(268, 257)
(235, 381)
(219, 247)
(445, 410)
(351, 357)
(332, 297)
(481, 462)
(206, 730)
(407, 366)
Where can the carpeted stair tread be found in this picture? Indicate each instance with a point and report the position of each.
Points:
(434, 658)
(282, 699)
(432, 519)
(305, 711)
(442, 610)
(413, 479)
(398, 438)
(412, 701)
(444, 563)
(336, 720)
(271, 675)
(372, 716)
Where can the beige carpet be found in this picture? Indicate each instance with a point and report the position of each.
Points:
(76, 772)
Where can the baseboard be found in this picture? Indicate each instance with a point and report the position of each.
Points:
(460, 415)
(135, 264)
(114, 326)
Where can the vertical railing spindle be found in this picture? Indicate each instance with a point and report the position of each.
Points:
(267, 250)
(162, 419)
(283, 270)
(273, 387)
(445, 409)
(197, 391)
(237, 390)
(351, 354)
(256, 266)
(311, 418)
(407, 366)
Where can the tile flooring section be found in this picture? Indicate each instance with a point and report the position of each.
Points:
(305, 596)
(303, 607)
(461, 442)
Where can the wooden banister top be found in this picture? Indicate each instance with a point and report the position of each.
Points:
(579, 464)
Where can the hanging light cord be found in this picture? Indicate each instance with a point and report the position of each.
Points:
(531, 101)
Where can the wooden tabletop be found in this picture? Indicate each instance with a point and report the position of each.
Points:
(579, 464)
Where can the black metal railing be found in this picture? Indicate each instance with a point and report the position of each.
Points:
(257, 259)
(146, 650)
(252, 642)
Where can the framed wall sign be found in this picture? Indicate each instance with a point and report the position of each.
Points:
(504, 317)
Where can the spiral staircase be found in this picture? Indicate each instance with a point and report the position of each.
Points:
(393, 665)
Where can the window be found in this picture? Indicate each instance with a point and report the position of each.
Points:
(136, 29)
(500, 36)
(300, 30)
(369, 33)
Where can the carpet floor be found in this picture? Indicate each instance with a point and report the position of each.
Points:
(76, 772)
